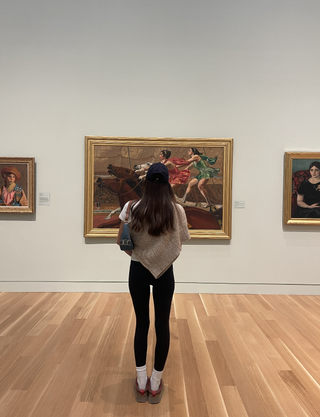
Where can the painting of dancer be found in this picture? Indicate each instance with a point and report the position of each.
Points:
(199, 173)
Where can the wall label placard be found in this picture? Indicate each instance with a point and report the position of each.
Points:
(44, 199)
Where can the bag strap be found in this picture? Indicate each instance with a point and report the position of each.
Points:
(128, 210)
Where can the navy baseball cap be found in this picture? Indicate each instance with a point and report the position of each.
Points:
(158, 172)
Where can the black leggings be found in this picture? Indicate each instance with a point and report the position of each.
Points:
(140, 280)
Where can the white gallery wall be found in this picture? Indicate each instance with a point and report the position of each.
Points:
(159, 68)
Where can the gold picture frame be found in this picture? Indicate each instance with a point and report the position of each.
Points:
(297, 172)
(112, 177)
(18, 173)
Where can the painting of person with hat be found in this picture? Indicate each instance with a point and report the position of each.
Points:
(11, 194)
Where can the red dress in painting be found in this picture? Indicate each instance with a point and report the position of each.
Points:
(177, 176)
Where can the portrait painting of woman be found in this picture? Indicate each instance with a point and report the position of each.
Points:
(16, 185)
(11, 194)
(308, 194)
(301, 204)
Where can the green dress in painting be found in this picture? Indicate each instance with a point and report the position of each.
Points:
(206, 172)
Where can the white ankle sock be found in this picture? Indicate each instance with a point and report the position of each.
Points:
(142, 376)
(155, 379)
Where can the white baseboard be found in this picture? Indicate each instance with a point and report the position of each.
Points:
(181, 287)
(248, 288)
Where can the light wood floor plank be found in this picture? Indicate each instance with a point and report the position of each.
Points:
(297, 318)
(208, 380)
(11, 302)
(174, 377)
(243, 368)
(192, 380)
(50, 310)
(208, 304)
(26, 401)
(65, 305)
(298, 345)
(71, 355)
(234, 404)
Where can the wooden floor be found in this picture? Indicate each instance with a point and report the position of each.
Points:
(71, 355)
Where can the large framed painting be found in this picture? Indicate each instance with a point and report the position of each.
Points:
(302, 188)
(17, 185)
(115, 171)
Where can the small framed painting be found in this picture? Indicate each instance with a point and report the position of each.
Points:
(302, 188)
(17, 185)
(200, 174)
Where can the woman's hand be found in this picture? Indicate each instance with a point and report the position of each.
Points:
(301, 203)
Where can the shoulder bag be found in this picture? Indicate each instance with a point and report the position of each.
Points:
(125, 238)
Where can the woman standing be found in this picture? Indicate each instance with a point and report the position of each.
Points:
(205, 173)
(11, 194)
(158, 227)
(308, 199)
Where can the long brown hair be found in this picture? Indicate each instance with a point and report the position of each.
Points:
(155, 210)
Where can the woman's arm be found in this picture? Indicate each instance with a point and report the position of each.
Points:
(169, 164)
(194, 158)
(301, 203)
(189, 166)
(128, 252)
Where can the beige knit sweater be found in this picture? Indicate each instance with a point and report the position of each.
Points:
(158, 253)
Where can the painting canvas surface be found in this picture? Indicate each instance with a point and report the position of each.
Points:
(17, 185)
(300, 174)
(110, 194)
(302, 188)
(117, 172)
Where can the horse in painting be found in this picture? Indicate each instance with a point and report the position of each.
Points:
(125, 189)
